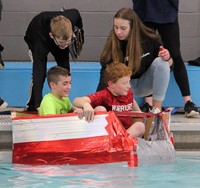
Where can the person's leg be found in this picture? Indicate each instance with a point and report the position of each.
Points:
(100, 108)
(171, 39)
(136, 130)
(154, 81)
(1, 48)
(147, 106)
(1, 60)
(170, 36)
(38, 77)
(101, 85)
(160, 82)
(148, 100)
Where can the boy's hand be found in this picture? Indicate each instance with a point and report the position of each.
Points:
(88, 112)
(79, 111)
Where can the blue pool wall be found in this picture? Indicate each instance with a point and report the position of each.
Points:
(15, 81)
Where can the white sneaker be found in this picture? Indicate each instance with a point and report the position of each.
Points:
(3, 104)
(155, 110)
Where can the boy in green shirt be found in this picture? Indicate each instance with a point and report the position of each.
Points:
(57, 101)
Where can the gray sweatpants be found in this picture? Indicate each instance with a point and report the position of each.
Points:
(154, 81)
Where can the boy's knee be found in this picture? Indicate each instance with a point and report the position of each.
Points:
(100, 108)
(141, 128)
(161, 64)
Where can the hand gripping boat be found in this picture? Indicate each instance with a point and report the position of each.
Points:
(65, 139)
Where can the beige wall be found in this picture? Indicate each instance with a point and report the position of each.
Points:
(97, 18)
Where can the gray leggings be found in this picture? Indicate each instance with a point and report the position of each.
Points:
(154, 81)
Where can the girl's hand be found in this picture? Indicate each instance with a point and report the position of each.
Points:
(164, 54)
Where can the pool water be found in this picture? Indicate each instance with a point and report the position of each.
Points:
(184, 173)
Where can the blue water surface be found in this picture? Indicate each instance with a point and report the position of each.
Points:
(184, 173)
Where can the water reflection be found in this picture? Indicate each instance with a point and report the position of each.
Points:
(184, 172)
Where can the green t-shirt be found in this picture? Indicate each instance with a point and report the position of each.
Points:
(52, 105)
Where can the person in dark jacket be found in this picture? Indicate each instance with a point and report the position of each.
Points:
(3, 104)
(162, 16)
(139, 47)
(1, 47)
(49, 32)
(1, 8)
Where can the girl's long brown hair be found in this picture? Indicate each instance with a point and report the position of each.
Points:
(138, 32)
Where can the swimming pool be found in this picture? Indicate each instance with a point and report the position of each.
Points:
(184, 173)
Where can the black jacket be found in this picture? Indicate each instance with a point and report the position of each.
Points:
(39, 27)
(150, 50)
(1, 8)
(156, 11)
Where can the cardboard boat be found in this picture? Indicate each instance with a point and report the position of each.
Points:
(65, 139)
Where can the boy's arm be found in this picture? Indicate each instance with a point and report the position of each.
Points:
(84, 102)
(80, 102)
(136, 106)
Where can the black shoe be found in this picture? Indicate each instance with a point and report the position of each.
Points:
(31, 109)
(1, 48)
(1, 64)
(146, 107)
(190, 109)
(195, 62)
(3, 104)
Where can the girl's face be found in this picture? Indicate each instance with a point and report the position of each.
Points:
(121, 28)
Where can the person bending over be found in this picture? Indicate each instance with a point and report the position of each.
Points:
(52, 32)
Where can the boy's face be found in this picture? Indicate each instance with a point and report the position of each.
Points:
(62, 88)
(121, 87)
(62, 44)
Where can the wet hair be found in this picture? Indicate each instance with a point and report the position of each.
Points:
(115, 71)
(138, 33)
(55, 72)
(61, 27)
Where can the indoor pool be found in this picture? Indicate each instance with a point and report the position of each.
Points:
(184, 173)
